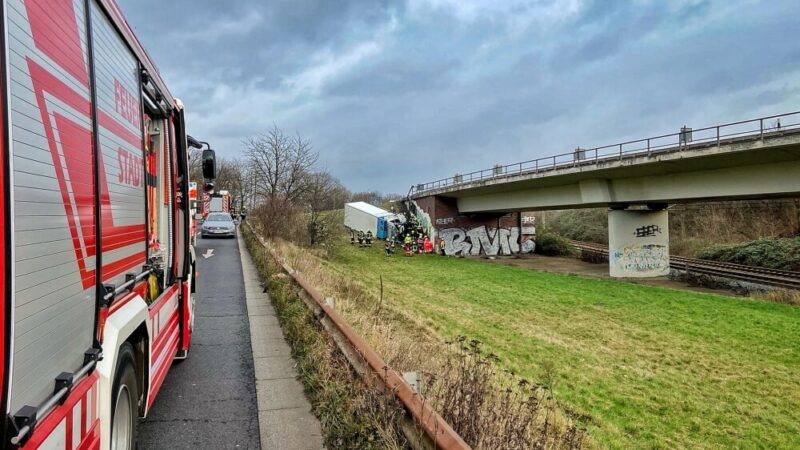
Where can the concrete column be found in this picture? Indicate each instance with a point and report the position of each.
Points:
(638, 243)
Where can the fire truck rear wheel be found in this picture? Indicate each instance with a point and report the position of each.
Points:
(125, 398)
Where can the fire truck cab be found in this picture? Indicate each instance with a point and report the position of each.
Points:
(97, 265)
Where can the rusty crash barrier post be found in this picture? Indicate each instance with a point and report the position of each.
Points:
(367, 363)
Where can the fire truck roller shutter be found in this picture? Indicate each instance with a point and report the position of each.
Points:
(122, 155)
(53, 194)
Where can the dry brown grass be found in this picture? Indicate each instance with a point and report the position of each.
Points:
(489, 408)
(696, 227)
(353, 414)
(784, 296)
(692, 227)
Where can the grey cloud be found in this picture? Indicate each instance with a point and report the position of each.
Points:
(439, 95)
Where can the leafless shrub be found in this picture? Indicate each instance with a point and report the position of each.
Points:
(278, 217)
(493, 409)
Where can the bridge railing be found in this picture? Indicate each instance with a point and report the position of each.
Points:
(667, 143)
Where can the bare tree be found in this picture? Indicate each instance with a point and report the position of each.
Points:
(232, 177)
(196, 165)
(318, 195)
(320, 188)
(280, 164)
(302, 159)
(279, 168)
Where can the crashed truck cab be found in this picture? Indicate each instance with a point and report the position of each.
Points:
(97, 269)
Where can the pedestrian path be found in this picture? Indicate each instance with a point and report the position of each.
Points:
(284, 413)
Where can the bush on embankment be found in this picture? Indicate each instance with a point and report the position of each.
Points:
(773, 253)
(588, 225)
(553, 245)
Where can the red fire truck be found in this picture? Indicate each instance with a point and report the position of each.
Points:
(97, 268)
(216, 202)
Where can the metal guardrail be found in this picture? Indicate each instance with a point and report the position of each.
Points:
(372, 367)
(666, 143)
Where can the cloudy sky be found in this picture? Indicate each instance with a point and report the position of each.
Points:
(398, 92)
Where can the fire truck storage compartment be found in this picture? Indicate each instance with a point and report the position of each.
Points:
(54, 192)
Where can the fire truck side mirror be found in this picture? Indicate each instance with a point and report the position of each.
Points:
(209, 164)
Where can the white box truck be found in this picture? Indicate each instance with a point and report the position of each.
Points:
(361, 216)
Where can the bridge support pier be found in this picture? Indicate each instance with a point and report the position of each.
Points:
(638, 242)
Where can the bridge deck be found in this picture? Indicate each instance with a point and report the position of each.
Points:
(591, 162)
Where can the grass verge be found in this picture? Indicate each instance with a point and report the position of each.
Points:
(649, 367)
(487, 406)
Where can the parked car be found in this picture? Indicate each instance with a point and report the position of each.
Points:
(218, 224)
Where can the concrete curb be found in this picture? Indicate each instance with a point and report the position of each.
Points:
(284, 413)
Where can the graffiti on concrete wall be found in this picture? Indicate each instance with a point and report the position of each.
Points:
(528, 245)
(486, 241)
(642, 258)
(647, 231)
(638, 243)
(417, 216)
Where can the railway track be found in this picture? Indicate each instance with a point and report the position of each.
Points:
(786, 279)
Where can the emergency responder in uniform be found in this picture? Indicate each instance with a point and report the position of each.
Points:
(407, 245)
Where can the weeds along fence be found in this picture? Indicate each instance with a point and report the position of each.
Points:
(419, 415)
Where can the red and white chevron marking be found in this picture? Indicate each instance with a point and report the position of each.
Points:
(73, 425)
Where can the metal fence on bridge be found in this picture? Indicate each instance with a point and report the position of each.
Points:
(666, 143)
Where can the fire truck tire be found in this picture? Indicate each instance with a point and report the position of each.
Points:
(125, 399)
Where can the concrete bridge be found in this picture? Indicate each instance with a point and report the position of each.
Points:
(637, 180)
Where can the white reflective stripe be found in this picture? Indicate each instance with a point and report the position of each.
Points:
(166, 312)
(165, 354)
(76, 424)
(57, 439)
(89, 401)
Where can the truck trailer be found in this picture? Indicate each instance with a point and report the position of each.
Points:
(361, 216)
(97, 267)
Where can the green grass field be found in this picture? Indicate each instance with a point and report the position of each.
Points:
(650, 367)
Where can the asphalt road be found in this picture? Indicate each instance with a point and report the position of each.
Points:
(209, 400)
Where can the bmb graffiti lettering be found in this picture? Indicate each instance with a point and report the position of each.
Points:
(482, 240)
(642, 258)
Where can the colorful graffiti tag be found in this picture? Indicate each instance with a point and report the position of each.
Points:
(642, 258)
